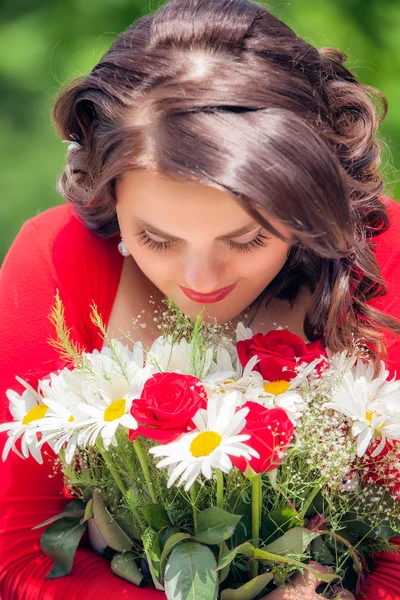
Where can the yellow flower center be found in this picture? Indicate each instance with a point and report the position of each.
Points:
(115, 410)
(368, 416)
(204, 443)
(72, 418)
(37, 412)
(227, 382)
(277, 387)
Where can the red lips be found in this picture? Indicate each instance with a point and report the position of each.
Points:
(208, 298)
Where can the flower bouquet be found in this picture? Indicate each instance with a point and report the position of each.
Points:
(215, 464)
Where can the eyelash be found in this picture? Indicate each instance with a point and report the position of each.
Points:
(145, 240)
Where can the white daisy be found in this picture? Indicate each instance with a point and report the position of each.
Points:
(211, 446)
(243, 332)
(371, 404)
(104, 420)
(99, 403)
(27, 409)
(232, 376)
(115, 368)
(276, 394)
(167, 356)
(61, 394)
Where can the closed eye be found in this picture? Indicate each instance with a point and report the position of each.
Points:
(145, 240)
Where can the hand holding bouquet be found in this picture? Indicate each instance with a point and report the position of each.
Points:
(213, 466)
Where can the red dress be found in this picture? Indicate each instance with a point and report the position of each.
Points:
(54, 250)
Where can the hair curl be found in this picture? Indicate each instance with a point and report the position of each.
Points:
(225, 93)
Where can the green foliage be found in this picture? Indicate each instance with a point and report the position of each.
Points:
(73, 510)
(156, 516)
(112, 533)
(190, 573)
(215, 525)
(124, 565)
(60, 542)
(249, 590)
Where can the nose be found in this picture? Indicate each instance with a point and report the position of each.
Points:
(204, 274)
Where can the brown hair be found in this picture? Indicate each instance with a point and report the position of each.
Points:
(223, 92)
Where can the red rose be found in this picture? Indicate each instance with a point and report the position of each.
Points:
(278, 349)
(166, 406)
(271, 431)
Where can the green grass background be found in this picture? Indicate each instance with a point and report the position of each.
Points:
(45, 43)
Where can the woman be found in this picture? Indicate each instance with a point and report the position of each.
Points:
(240, 166)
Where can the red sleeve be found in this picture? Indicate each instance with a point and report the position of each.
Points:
(384, 581)
(29, 493)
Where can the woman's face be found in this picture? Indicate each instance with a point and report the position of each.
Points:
(190, 240)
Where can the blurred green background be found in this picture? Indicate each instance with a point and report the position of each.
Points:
(45, 43)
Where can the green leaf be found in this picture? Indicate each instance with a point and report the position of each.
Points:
(112, 533)
(249, 590)
(124, 565)
(294, 541)
(153, 574)
(156, 516)
(190, 573)
(170, 545)
(73, 510)
(268, 557)
(321, 552)
(126, 521)
(60, 542)
(215, 525)
(88, 512)
(240, 504)
(224, 572)
(225, 559)
(277, 522)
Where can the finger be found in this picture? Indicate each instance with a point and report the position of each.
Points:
(309, 579)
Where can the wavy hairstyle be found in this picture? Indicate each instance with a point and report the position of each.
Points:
(225, 93)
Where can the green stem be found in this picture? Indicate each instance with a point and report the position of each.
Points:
(310, 498)
(220, 488)
(145, 468)
(193, 499)
(255, 519)
(111, 467)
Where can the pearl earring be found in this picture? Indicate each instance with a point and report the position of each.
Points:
(122, 248)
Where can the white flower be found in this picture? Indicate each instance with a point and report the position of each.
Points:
(223, 371)
(340, 362)
(371, 404)
(243, 332)
(27, 409)
(178, 357)
(99, 403)
(211, 446)
(61, 394)
(104, 421)
(115, 368)
(276, 394)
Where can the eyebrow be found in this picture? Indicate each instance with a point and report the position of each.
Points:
(165, 235)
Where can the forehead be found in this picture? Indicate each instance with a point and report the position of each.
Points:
(183, 207)
(150, 193)
(146, 184)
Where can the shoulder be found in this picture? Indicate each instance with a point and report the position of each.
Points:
(67, 244)
(59, 252)
(386, 246)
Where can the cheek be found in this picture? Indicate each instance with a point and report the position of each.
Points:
(263, 264)
(156, 265)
